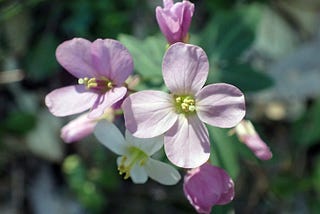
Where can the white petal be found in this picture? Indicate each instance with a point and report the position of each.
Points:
(138, 174)
(148, 145)
(110, 136)
(161, 172)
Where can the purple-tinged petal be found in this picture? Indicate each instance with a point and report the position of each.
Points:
(207, 186)
(248, 135)
(162, 172)
(185, 69)
(106, 100)
(112, 60)
(75, 56)
(186, 144)
(147, 145)
(257, 146)
(220, 105)
(111, 137)
(174, 20)
(149, 113)
(70, 100)
(78, 128)
(167, 3)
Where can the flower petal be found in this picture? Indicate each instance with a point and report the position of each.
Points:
(112, 60)
(149, 113)
(70, 100)
(161, 172)
(107, 100)
(138, 174)
(111, 137)
(220, 105)
(185, 68)
(78, 128)
(75, 56)
(148, 145)
(187, 143)
(207, 186)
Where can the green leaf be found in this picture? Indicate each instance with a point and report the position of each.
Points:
(223, 150)
(20, 122)
(230, 33)
(245, 77)
(306, 131)
(147, 55)
(41, 61)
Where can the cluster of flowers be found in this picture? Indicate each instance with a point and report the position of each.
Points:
(155, 119)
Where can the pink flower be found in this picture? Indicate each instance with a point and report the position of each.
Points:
(248, 135)
(180, 114)
(207, 186)
(174, 20)
(82, 126)
(101, 68)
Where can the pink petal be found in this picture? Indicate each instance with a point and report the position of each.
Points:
(187, 143)
(185, 69)
(78, 128)
(207, 186)
(174, 20)
(75, 56)
(149, 113)
(70, 100)
(107, 100)
(112, 60)
(220, 105)
(257, 146)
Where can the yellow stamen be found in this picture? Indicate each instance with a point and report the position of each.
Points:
(136, 156)
(185, 104)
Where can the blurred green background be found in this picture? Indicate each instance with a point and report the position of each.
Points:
(269, 49)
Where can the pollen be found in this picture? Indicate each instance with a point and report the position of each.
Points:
(98, 84)
(184, 104)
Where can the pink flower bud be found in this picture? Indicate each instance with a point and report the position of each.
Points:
(174, 20)
(206, 186)
(248, 135)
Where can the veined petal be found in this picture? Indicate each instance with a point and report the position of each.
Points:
(70, 100)
(185, 68)
(147, 145)
(112, 60)
(149, 113)
(220, 105)
(138, 174)
(110, 136)
(187, 143)
(107, 100)
(161, 172)
(75, 56)
(78, 128)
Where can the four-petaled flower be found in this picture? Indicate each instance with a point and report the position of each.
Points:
(248, 135)
(101, 68)
(135, 160)
(180, 114)
(207, 186)
(174, 20)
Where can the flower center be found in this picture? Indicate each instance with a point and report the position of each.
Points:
(184, 104)
(98, 84)
(136, 156)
